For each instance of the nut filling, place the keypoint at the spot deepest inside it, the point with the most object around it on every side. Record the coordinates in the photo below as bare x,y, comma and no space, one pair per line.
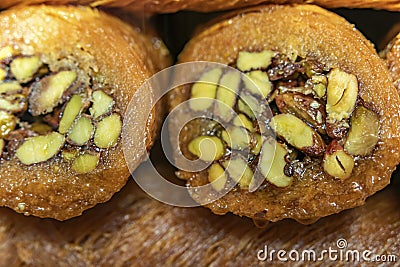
54,111
317,118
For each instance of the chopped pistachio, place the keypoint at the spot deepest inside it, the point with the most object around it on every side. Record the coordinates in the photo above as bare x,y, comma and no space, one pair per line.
71,111
40,127
85,163
102,103
7,52
227,94
207,148
217,177
249,105
258,144
47,93
8,122
40,148
298,134
236,137
304,107
81,131
254,60
320,90
23,68
364,132
69,154
337,162
14,103
319,82
10,88
108,131
243,121
204,91
243,107
272,163
258,83
239,171
342,92
3,74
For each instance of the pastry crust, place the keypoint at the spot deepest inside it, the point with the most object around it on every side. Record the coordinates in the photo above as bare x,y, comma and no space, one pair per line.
309,32
392,57
170,6
97,44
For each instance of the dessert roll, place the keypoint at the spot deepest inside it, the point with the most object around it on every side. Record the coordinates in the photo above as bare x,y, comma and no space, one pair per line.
307,128
67,75
171,6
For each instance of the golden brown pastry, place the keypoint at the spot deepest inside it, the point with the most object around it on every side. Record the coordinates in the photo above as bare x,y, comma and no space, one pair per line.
308,78
67,75
392,57
170,6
